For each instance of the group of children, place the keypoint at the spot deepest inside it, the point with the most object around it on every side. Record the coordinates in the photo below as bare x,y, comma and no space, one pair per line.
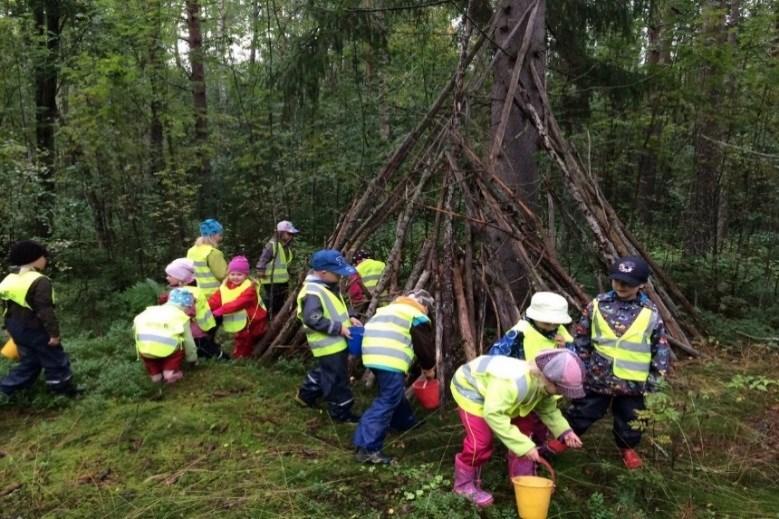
617,353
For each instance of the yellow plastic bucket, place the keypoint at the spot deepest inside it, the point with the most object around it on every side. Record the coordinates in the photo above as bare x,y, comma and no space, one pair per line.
9,350
533,494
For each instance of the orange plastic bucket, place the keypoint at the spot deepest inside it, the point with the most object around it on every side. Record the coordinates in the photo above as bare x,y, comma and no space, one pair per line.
533,494
427,392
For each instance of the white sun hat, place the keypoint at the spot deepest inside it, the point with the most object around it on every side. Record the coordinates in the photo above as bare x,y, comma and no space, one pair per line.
548,307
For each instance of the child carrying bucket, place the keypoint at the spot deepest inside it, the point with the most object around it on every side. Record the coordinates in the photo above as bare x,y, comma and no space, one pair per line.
542,328
492,393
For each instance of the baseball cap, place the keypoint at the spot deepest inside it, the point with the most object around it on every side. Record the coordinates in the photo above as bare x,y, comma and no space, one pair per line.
286,226
332,261
632,270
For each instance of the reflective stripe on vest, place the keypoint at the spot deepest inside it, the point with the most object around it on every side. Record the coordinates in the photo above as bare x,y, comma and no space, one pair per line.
14,287
334,308
370,271
203,316
236,321
534,341
631,353
465,381
277,271
159,330
387,340
206,281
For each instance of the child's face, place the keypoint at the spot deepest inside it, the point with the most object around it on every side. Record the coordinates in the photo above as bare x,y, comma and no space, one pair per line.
173,282
625,291
236,277
547,327
328,277
40,263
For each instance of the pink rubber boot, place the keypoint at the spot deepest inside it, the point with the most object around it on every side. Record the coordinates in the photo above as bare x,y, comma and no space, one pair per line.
465,485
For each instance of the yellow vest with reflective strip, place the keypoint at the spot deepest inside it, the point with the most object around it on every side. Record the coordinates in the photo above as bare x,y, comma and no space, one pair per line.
387,340
334,308
276,271
236,321
370,271
534,341
159,330
471,383
203,316
631,353
206,281
14,287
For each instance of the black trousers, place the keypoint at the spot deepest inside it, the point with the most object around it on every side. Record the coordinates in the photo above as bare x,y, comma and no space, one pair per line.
585,411
274,296
330,381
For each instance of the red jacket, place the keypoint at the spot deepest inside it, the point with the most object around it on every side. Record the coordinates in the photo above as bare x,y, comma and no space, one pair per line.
246,301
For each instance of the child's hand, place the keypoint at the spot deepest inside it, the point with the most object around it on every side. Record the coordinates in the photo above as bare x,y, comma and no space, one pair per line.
533,455
355,321
559,340
54,341
345,331
218,312
572,440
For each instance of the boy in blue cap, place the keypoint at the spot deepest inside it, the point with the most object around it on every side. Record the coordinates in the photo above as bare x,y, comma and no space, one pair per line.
326,321
621,339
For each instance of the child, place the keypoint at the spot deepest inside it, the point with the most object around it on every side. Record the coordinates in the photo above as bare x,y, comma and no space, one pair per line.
163,337
326,322
237,301
210,266
492,392
273,266
181,274
360,286
33,325
542,329
621,339
393,336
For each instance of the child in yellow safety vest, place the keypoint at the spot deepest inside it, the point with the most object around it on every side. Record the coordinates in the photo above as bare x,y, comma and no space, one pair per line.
542,328
163,338
238,303
492,392
210,266
621,339
326,321
32,324
180,273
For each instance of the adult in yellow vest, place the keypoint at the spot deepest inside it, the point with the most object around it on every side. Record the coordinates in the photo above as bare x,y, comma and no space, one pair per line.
326,321
163,337
397,334
180,273
542,328
273,267
210,265
621,339
492,391
32,323
361,286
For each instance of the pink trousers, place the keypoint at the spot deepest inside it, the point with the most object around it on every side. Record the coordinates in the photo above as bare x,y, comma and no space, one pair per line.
478,441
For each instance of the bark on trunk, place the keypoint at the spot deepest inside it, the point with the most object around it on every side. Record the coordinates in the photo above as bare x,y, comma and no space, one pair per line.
200,106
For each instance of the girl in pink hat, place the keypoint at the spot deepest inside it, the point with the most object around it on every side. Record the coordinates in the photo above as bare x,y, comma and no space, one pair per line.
238,303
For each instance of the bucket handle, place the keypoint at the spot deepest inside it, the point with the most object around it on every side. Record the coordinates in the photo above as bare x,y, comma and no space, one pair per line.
551,471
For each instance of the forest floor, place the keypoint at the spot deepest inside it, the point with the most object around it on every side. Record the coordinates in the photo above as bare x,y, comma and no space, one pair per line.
229,441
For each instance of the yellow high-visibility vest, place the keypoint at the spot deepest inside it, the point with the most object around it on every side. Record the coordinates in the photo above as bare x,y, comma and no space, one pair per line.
370,271
276,271
534,341
203,316
159,330
631,353
334,308
387,340
236,321
14,287
206,280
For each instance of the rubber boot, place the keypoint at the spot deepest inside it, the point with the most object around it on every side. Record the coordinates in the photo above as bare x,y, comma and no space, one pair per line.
520,466
171,377
631,459
465,484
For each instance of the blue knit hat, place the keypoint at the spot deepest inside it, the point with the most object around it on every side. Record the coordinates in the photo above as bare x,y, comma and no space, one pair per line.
182,298
210,227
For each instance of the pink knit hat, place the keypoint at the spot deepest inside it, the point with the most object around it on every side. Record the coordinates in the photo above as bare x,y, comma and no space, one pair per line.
239,264
181,269
564,369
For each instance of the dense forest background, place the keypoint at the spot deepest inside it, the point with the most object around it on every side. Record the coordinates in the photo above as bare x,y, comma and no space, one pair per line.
124,123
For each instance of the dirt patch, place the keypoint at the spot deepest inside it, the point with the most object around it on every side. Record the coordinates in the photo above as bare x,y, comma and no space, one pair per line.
767,426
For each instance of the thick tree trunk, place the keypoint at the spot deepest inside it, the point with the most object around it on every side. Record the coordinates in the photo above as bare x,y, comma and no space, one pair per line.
156,130
47,22
200,106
